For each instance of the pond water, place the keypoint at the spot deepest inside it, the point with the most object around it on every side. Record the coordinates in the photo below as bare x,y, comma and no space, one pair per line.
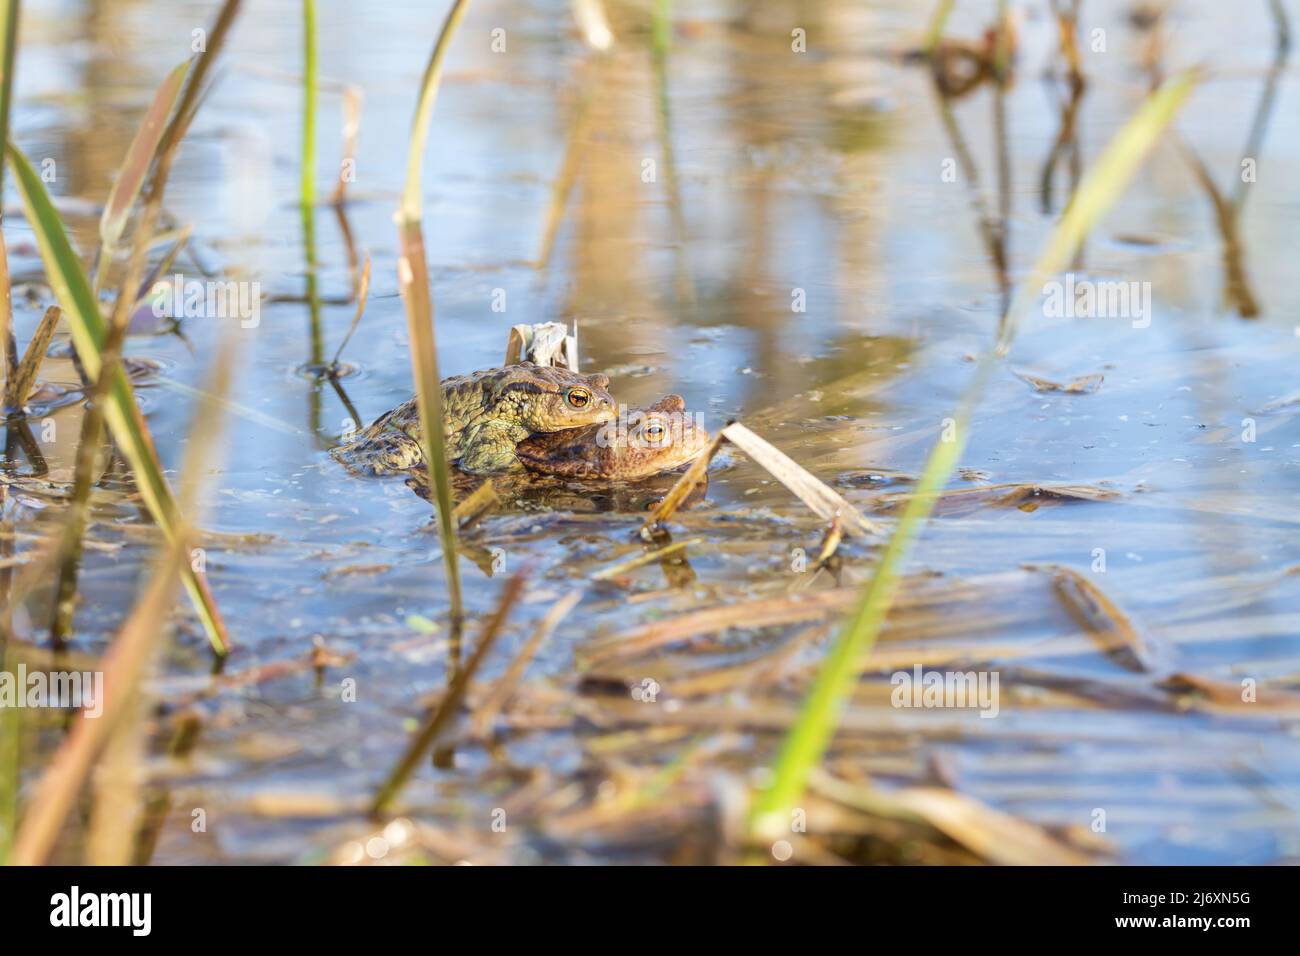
816,253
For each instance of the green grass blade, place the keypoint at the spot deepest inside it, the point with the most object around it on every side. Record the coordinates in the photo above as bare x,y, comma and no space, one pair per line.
661,28
72,288
806,743
66,276
934,30
8,44
413,278
307,184
8,47
413,192
307,181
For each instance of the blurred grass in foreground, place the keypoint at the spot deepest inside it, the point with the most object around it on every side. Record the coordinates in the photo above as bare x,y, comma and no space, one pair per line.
807,742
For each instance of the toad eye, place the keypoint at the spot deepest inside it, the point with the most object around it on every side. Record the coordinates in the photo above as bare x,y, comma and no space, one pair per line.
654,432
578,397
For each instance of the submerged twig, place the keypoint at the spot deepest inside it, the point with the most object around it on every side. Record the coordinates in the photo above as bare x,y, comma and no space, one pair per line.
505,686
427,735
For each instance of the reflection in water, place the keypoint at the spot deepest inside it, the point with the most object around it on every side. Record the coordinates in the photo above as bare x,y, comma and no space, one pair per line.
992,229
1066,147
1237,291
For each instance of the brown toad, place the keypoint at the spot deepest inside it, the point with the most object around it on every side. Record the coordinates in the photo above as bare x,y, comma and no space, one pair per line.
652,440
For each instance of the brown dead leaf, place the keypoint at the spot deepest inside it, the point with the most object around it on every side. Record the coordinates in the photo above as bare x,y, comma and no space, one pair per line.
815,494
764,613
1026,496
1083,385
1122,640
1229,695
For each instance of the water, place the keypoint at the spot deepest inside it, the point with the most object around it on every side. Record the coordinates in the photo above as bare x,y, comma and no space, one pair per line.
814,180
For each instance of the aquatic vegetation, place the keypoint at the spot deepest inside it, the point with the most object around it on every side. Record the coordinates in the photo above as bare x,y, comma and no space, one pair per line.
8,46
95,340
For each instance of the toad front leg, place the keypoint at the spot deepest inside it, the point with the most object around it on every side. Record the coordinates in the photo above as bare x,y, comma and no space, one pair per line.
384,453
489,448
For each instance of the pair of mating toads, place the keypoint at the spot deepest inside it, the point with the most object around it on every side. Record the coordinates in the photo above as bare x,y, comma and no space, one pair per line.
547,420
